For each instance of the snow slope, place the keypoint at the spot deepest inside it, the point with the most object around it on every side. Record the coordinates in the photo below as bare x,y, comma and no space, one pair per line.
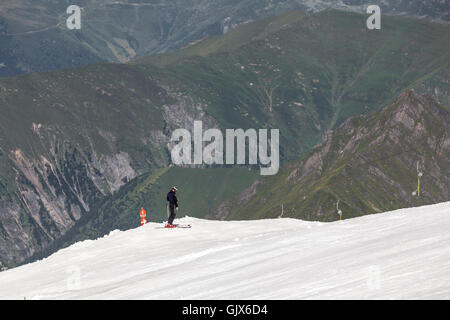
402,254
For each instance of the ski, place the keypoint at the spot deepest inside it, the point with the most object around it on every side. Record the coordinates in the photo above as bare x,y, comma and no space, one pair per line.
179,226
183,226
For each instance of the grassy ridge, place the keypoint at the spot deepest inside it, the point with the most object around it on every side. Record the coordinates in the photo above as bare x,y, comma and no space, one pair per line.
329,64
34,37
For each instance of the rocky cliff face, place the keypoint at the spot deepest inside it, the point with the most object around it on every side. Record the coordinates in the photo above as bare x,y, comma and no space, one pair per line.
59,157
46,195
369,164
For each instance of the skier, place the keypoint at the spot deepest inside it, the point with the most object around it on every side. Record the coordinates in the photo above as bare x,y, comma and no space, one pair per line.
173,206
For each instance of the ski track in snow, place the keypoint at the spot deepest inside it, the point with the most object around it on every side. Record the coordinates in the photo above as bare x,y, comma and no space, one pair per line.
403,254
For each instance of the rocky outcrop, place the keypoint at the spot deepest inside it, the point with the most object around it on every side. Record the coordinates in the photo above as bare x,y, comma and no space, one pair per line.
369,164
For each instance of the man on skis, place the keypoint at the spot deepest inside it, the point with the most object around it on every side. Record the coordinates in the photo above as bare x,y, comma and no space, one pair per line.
173,206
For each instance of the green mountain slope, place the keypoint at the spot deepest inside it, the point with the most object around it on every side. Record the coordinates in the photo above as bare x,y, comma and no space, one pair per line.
368,164
199,192
34,37
70,138
310,72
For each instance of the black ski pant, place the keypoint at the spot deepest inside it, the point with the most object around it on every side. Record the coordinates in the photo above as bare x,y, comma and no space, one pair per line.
172,213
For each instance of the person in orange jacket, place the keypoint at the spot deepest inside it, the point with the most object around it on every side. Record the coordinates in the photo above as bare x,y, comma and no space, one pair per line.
143,214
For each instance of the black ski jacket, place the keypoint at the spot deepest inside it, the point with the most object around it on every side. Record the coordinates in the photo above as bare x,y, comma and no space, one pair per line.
172,198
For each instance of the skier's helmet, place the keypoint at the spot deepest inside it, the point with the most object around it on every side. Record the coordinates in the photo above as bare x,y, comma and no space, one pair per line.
174,188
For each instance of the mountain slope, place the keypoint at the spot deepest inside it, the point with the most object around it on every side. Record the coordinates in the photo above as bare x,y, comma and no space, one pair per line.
70,138
199,192
328,59
34,37
402,254
368,164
